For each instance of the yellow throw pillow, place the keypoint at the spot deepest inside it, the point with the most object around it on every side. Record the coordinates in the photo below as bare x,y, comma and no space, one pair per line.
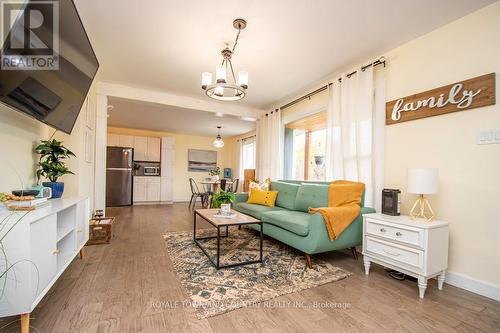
260,197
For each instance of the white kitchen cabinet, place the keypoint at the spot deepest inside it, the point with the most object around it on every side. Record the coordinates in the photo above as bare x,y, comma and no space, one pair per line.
147,149
167,169
154,149
166,194
113,140
140,189
140,148
126,141
147,189
153,191
119,140
40,245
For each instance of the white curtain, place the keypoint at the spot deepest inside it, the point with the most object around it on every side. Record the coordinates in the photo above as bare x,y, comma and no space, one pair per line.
269,136
352,120
238,170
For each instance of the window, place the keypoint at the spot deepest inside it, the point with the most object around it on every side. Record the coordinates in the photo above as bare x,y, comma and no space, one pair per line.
305,148
248,154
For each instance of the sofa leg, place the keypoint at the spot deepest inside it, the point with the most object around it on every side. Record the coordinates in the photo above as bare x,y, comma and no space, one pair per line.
354,253
309,261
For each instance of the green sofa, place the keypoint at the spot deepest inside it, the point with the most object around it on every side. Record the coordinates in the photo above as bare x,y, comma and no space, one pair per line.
290,223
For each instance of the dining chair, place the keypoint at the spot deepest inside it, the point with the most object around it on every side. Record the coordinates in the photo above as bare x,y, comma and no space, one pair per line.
223,184
195,194
234,186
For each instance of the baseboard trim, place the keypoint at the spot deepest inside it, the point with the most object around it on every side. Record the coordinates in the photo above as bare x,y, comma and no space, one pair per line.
471,284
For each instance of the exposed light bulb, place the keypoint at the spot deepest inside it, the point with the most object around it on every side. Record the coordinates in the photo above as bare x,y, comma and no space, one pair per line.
219,91
218,143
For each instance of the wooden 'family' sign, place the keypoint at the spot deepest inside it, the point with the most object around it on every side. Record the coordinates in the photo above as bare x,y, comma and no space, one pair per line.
460,96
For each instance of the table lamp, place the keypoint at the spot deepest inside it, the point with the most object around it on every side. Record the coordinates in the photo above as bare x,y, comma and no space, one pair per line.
422,181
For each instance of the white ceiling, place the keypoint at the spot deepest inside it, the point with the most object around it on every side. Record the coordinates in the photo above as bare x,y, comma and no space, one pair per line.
157,117
288,44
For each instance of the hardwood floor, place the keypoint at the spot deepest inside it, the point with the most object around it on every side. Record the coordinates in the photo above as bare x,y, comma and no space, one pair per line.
116,287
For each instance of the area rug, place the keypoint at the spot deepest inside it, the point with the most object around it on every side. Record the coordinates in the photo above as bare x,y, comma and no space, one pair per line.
213,292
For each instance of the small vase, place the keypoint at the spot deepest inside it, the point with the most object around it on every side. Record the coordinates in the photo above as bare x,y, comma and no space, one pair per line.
56,187
215,178
225,208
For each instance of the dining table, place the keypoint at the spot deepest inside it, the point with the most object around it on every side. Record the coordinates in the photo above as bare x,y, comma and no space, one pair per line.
214,185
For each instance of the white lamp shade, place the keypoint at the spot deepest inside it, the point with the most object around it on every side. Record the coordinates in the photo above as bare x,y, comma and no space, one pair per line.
220,74
422,181
243,78
206,79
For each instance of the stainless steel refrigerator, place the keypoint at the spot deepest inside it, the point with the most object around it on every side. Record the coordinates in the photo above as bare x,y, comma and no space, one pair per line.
119,162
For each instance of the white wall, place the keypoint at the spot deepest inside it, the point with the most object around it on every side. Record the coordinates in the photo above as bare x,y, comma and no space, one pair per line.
20,134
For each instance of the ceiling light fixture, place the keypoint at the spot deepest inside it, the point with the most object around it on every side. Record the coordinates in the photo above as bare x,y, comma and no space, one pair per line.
218,142
222,89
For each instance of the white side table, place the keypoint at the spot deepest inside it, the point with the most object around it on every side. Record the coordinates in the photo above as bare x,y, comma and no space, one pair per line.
414,247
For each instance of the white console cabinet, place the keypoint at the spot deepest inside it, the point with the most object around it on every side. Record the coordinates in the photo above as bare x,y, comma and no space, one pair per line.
39,245
415,247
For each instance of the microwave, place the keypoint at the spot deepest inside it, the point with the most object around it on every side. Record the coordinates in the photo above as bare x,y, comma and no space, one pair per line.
151,171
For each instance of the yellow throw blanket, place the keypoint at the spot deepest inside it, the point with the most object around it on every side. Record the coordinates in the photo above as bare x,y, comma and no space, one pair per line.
344,205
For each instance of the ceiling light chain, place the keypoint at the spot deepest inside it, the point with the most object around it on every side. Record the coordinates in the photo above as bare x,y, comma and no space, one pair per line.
222,89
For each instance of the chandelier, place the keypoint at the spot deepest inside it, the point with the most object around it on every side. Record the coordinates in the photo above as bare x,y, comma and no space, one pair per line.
218,142
223,89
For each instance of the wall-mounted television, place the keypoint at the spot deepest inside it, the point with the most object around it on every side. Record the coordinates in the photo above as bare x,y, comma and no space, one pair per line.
47,61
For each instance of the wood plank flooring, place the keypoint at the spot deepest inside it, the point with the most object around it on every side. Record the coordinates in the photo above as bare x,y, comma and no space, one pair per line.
116,288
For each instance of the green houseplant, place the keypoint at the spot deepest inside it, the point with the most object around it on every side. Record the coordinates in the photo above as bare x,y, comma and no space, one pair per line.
51,164
223,201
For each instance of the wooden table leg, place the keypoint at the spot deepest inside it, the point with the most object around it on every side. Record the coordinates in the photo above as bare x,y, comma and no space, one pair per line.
25,323
81,253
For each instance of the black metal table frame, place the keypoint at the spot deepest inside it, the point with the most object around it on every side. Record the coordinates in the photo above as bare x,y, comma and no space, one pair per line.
216,263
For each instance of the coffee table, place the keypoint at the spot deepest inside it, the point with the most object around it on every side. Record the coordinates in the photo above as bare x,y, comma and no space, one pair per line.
220,222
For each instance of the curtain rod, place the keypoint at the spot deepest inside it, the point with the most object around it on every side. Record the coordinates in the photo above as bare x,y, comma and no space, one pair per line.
377,62
248,137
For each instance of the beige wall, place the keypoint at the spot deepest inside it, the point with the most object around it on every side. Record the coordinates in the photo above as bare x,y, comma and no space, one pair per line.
184,142
20,134
469,174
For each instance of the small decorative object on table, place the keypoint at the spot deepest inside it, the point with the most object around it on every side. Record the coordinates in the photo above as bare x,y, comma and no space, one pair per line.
27,202
227,172
225,215
51,164
101,230
422,181
98,213
214,173
391,202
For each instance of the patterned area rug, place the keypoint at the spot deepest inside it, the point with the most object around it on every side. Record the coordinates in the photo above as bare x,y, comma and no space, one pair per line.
214,292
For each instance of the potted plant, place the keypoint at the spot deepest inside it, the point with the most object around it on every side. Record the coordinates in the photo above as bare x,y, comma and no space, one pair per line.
223,201
215,172
51,164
